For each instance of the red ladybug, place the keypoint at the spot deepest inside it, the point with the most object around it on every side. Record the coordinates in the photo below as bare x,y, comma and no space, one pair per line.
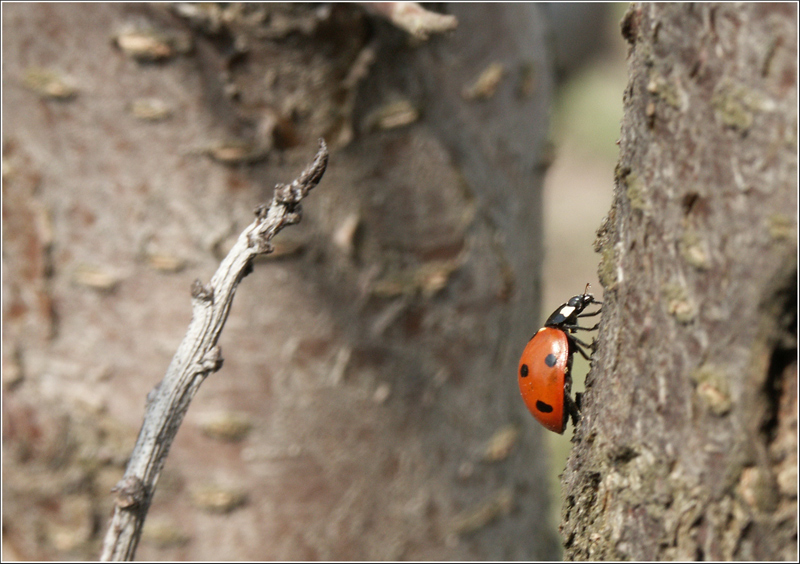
544,369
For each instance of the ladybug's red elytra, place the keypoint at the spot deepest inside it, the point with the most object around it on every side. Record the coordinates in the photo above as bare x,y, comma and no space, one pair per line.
544,368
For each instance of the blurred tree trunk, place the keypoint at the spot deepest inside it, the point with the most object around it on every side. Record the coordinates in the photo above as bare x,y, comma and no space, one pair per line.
688,444
355,419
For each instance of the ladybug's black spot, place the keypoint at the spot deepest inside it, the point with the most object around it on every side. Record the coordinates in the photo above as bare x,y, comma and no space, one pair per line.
550,360
543,407
523,370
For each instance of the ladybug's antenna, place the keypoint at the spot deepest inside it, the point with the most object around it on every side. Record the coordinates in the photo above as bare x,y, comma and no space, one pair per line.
586,290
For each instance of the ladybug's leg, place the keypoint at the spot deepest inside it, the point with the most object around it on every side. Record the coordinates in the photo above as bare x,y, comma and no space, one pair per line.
577,340
572,408
583,353
590,314
579,345
579,328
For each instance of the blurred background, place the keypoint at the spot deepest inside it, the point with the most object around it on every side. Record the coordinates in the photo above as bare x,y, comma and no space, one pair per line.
592,75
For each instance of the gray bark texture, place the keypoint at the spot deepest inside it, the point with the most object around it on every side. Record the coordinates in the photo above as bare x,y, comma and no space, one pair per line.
688,443
367,405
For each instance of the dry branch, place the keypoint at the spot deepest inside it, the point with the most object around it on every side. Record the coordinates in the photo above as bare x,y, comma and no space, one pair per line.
198,356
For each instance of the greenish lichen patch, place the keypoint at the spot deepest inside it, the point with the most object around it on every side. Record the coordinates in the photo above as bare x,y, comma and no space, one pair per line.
678,304
603,232
48,84
758,488
635,191
736,105
732,112
711,386
163,533
782,227
214,498
226,426
693,251
606,270
664,89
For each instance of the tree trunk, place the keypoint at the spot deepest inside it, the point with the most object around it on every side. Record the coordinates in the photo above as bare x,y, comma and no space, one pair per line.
688,443
368,365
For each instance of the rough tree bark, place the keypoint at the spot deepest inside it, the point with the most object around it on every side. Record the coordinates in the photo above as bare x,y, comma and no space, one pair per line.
687,447
354,418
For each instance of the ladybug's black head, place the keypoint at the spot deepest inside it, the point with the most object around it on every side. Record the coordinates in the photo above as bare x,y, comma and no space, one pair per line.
568,313
580,302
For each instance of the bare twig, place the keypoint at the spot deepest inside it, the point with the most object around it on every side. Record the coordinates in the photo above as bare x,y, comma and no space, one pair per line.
197,357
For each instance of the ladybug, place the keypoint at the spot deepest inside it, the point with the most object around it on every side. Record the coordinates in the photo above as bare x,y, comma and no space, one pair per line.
544,368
